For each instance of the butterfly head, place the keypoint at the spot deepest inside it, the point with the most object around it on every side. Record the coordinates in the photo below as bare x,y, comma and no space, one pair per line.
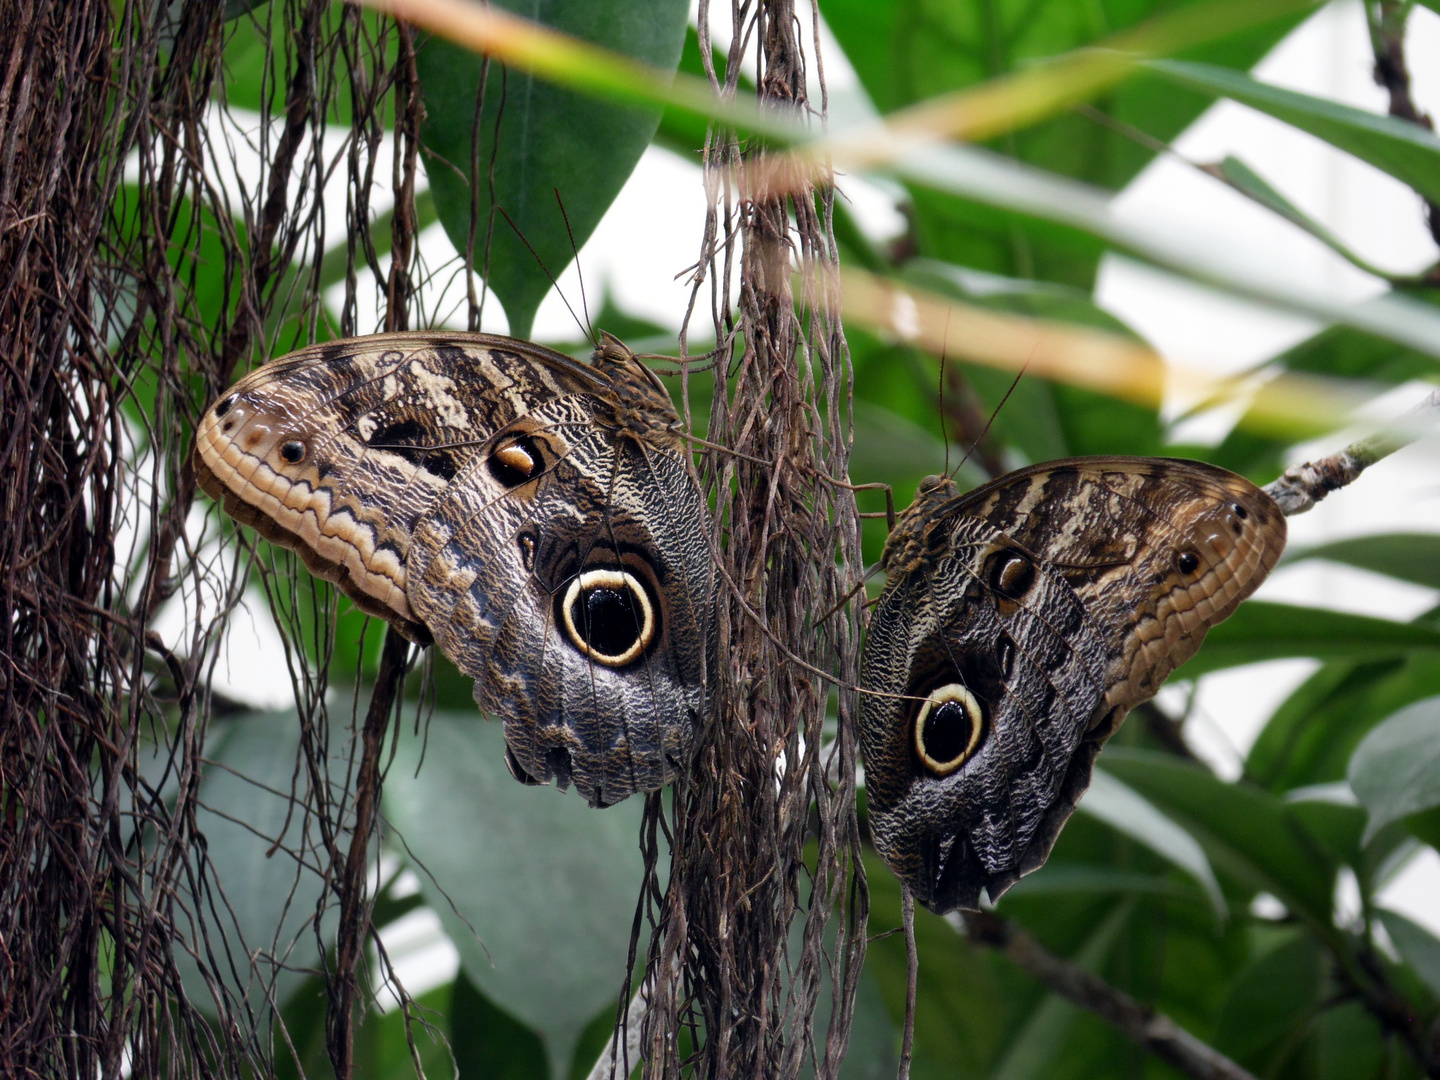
908,540
641,401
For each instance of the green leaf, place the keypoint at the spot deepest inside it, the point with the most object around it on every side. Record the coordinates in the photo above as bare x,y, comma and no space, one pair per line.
263,933
905,51
1395,771
1417,946
1034,1051
1310,737
1057,878
1404,150
1271,1005
549,138
1407,556
1248,182
543,887
1261,630
383,1040
487,1041
970,1002
1337,825
1244,831
1124,809
1348,1044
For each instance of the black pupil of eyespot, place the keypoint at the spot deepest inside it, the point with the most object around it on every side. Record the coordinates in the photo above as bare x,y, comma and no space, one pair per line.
1240,511
1188,561
608,618
225,406
292,452
946,732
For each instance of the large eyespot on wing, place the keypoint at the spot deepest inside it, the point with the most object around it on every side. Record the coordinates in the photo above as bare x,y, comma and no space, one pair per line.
608,615
573,592
995,673
1100,576
337,450
948,729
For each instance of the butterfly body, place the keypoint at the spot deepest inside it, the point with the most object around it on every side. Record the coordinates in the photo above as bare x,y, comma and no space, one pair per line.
1019,624
532,515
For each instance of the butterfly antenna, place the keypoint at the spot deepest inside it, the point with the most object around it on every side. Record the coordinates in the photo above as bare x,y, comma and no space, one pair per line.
986,430
575,250
944,435
530,248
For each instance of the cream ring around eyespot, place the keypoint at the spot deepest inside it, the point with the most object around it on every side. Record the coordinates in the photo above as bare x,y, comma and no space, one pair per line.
973,713
609,579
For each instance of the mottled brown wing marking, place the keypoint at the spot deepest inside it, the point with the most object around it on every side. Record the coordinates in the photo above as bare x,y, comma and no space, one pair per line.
1059,653
352,504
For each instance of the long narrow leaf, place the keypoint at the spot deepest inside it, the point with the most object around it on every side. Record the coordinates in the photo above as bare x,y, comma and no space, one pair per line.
1269,631
1406,151
1408,556
1252,185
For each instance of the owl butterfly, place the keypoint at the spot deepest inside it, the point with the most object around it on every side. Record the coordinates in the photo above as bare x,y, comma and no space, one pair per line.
532,515
1019,624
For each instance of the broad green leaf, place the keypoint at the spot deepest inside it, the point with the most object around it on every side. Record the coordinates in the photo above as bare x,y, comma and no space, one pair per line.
1123,808
548,139
1261,630
1034,1050
971,1000
951,226
488,1042
1057,878
1348,1044
260,908
1248,182
1310,737
383,1041
1271,1005
1407,556
543,887
1417,946
1244,831
891,449
905,51
1404,150
1337,825
1395,770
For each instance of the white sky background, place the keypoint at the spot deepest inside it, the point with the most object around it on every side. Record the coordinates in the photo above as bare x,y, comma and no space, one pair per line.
652,233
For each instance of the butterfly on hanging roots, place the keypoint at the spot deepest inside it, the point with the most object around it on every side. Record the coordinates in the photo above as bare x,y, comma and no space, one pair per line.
532,515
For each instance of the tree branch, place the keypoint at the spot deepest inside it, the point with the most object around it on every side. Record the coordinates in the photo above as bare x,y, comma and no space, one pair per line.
1387,37
1304,485
354,913
1154,1031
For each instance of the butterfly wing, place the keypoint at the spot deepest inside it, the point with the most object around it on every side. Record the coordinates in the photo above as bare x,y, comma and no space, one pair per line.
1019,624
579,600
414,469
